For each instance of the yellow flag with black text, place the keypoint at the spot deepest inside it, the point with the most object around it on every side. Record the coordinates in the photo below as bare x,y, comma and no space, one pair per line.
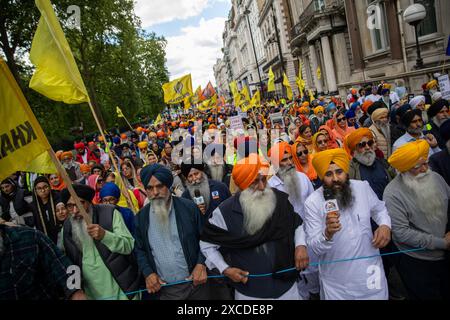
177,90
21,137
56,76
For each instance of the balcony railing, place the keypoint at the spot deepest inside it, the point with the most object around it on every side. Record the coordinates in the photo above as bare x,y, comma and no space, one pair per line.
314,8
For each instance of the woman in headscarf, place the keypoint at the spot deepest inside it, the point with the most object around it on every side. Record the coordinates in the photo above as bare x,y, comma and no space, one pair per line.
134,206
320,142
341,128
332,143
56,182
44,208
96,183
305,137
303,163
61,215
132,183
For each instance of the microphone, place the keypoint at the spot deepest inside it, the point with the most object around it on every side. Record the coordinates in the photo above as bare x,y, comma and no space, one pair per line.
198,198
331,206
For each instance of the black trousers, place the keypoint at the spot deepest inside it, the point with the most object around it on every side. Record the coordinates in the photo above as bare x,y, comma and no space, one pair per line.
184,291
424,280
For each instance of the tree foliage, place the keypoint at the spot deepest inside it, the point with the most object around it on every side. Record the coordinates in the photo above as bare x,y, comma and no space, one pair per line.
121,64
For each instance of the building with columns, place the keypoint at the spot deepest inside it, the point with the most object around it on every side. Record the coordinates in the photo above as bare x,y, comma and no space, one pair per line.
366,41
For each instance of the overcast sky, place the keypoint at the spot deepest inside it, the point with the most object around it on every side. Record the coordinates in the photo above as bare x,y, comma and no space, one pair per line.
193,29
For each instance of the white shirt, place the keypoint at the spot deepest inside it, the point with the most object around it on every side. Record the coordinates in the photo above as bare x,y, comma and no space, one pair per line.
349,280
373,97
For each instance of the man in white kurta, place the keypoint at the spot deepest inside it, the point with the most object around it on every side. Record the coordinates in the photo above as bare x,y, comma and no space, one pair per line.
298,186
339,238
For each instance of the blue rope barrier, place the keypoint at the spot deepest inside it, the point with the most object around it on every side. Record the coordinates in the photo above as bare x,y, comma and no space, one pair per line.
279,272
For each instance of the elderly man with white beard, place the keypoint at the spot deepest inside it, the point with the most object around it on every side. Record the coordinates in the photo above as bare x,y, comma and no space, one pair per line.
102,249
417,201
298,187
256,232
215,167
206,193
338,228
167,240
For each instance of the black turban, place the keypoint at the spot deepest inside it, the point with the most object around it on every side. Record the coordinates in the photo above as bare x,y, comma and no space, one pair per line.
83,191
186,167
409,116
437,107
376,105
159,172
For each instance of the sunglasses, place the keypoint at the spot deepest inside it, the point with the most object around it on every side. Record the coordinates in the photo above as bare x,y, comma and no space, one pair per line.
369,143
322,142
340,119
305,152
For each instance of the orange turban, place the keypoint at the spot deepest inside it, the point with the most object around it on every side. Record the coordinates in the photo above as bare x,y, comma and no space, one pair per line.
142,145
278,150
66,154
139,130
84,168
322,161
305,104
58,154
319,109
303,110
352,139
212,126
123,136
366,105
406,157
246,170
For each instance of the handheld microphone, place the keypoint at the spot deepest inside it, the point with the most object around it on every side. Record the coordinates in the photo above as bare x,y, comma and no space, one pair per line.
198,198
331,204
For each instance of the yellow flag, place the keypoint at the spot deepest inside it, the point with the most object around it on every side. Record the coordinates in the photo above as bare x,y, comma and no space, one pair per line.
271,82
234,88
245,95
43,164
196,97
311,95
177,90
187,102
256,99
300,82
21,137
319,73
208,104
158,120
288,87
56,76
119,113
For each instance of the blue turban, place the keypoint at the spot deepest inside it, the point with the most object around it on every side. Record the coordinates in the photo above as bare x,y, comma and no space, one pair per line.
110,189
116,140
384,91
330,107
321,103
159,172
354,106
350,114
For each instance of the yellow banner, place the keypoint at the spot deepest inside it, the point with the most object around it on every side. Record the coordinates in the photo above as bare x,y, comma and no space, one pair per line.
177,90
21,137
256,99
57,76
43,164
271,82
288,87
119,113
300,82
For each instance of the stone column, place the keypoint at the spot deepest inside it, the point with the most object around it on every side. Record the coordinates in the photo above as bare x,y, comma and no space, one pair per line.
329,64
341,54
313,57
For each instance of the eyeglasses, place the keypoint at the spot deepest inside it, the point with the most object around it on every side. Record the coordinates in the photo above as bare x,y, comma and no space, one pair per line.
340,119
363,144
320,142
304,152
71,206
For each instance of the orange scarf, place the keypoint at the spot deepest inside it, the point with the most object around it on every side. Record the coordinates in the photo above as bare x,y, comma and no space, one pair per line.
311,173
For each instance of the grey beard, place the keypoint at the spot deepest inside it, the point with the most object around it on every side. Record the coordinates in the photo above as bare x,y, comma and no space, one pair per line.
428,197
289,177
257,207
414,131
343,196
79,233
203,187
385,130
161,211
366,158
438,122
216,171
424,116
69,165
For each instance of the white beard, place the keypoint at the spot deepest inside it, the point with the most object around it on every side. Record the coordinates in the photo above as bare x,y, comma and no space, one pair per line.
203,187
290,179
428,197
258,207
439,122
216,171
366,158
79,233
161,211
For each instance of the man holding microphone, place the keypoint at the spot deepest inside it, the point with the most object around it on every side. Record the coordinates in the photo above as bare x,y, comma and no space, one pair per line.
338,231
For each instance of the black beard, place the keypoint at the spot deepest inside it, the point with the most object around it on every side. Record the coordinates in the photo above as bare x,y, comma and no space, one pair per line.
342,192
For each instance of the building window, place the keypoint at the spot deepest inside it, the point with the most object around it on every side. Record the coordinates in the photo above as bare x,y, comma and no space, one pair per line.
428,25
376,12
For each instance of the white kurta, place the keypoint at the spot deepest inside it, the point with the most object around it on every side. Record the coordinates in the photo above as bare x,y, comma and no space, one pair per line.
298,202
214,258
356,279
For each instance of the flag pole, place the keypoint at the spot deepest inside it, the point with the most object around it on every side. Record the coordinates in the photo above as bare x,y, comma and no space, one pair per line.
123,189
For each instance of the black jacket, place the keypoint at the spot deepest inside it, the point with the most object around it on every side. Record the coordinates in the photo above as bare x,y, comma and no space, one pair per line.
20,205
440,163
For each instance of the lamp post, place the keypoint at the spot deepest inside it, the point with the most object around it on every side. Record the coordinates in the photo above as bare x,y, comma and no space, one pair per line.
414,15
246,13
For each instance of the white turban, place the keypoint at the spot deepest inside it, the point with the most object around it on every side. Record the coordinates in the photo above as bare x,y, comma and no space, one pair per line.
416,100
